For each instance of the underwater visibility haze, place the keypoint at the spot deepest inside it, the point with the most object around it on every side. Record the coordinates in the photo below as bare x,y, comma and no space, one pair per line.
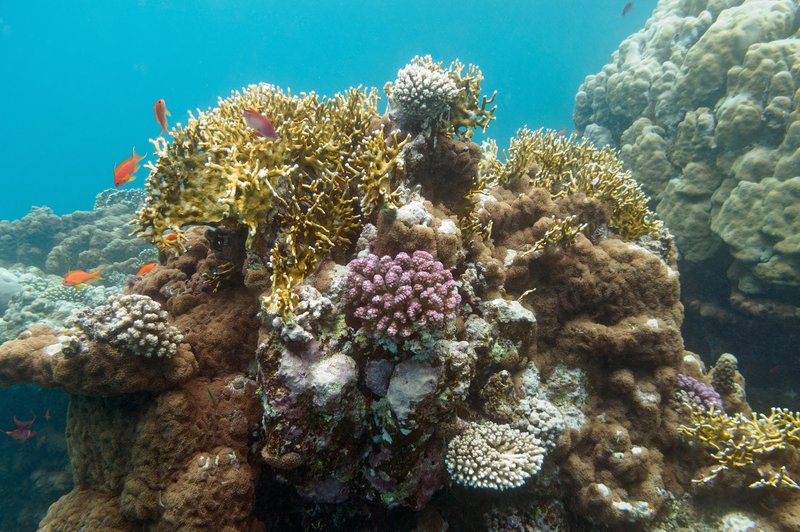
400,266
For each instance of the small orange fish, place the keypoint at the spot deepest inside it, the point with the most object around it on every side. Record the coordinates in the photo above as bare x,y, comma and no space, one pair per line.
124,171
561,132
260,124
160,108
627,9
146,268
78,278
172,237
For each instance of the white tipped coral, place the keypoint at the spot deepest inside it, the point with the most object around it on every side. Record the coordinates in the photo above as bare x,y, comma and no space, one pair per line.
421,96
488,455
134,324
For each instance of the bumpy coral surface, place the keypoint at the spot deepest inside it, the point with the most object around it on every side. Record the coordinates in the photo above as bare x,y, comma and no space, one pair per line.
396,296
134,324
701,103
488,455
698,393
439,101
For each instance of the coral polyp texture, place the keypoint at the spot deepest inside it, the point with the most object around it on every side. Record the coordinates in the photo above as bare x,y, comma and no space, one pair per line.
488,455
348,330
430,98
297,197
134,324
396,296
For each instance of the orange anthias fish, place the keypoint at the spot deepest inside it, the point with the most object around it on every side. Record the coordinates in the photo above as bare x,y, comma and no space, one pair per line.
124,171
146,268
78,278
561,132
260,124
22,432
627,9
160,108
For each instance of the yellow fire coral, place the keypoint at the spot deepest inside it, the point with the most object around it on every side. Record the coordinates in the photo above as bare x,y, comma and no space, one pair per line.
299,195
566,165
763,448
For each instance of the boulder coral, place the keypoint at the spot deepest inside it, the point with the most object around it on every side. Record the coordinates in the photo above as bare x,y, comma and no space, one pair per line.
702,103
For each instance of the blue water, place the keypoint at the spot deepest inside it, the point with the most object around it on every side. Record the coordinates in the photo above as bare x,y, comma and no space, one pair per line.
80,77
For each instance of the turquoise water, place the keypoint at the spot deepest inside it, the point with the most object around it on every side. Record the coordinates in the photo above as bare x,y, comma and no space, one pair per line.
80,78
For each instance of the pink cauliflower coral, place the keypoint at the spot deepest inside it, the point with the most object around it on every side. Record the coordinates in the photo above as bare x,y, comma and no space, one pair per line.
395,296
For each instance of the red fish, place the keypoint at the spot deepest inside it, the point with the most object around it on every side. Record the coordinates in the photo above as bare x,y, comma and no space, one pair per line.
561,132
260,124
78,278
20,435
124,171
172,237
627,9
24,424
146,268
162,113
22,432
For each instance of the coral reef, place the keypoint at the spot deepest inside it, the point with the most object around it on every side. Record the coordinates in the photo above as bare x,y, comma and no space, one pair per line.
82,240
331,342
31,296
436,101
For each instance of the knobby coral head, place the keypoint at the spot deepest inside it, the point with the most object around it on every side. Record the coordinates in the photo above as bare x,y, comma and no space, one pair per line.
397,296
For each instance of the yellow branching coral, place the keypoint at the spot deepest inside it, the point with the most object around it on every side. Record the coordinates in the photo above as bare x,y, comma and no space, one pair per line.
567,165
426,86
764,448
299,195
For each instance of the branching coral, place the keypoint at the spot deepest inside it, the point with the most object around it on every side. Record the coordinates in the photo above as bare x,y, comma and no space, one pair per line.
566,165
298,196
133,323
763,448
396,296
428,95
697,394
488,455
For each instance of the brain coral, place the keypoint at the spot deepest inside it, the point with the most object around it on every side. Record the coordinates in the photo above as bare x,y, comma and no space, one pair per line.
702,103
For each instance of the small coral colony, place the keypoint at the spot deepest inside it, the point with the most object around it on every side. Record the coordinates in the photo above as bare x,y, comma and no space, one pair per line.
369,308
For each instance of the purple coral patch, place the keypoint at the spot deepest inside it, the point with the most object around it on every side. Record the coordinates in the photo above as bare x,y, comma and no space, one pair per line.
394,296
699,392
